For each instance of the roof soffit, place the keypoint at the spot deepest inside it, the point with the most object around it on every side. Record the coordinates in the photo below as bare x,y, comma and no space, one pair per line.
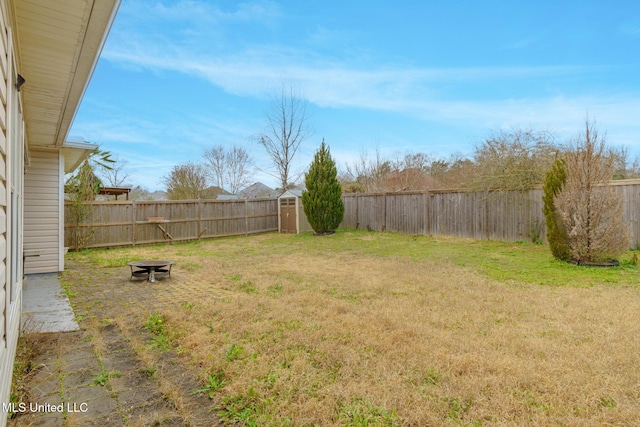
59,43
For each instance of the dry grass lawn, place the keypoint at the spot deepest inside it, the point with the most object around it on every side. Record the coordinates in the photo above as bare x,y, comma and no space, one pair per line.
383,329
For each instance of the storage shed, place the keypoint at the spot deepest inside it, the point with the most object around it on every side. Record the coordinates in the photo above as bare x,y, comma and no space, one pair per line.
292,218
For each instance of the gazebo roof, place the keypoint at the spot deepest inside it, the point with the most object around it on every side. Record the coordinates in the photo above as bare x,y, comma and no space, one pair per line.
115,191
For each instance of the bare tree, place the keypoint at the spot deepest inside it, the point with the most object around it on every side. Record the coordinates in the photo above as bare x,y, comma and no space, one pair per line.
410,173
438,167
633,170
116,175
624,168
230,169
287,127
238,169
186,181
514,160
404,173
140,193
591,210
215,158
367,174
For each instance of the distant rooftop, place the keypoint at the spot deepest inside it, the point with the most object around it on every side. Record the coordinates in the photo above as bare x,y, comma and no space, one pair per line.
258,190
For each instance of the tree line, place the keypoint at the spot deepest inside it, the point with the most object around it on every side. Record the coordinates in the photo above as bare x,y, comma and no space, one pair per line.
516,159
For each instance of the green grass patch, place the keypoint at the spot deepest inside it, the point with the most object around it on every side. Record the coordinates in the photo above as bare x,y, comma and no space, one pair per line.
155,323
518,262
103,258
214,382
361,413
521,262
102,378
275,290
234,352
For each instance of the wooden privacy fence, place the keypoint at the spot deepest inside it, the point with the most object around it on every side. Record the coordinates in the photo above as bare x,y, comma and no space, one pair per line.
506,216
131,223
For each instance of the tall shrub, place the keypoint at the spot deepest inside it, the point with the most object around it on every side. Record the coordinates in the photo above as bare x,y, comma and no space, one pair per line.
590,209
322,200
556,233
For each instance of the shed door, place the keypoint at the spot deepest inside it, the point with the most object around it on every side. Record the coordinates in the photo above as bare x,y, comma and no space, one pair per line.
288,215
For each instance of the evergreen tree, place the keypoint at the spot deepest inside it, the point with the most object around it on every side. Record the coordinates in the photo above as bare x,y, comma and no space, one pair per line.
322,200
556,235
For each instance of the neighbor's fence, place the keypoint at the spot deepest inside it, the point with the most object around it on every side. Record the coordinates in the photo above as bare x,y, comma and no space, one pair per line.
131,223
506,216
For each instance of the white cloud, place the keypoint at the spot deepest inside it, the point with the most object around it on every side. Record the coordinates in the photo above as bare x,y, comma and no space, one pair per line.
193,13
328,84
413,91
431,94
199,39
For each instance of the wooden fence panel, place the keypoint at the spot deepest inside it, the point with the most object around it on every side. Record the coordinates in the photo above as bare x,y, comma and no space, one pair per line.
497,216
224,218
507,216
476,227
536,220
106,224
405,212
262,215
111,224
371,212
364,212
212,218
449,214
631,211
350,219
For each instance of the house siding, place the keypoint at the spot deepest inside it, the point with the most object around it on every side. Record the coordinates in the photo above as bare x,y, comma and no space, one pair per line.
5,325
42,220
11,204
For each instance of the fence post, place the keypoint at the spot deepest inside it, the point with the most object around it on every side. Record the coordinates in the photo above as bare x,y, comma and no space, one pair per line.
357,213
427,215
134,215
199,227
384,212
486,214
246,216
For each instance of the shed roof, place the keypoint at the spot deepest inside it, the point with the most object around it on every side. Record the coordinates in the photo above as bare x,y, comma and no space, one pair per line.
296,192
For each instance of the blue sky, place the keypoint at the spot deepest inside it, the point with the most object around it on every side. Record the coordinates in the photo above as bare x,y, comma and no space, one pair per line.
177,77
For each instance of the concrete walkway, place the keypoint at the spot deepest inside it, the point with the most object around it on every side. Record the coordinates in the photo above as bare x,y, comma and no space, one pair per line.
44,306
